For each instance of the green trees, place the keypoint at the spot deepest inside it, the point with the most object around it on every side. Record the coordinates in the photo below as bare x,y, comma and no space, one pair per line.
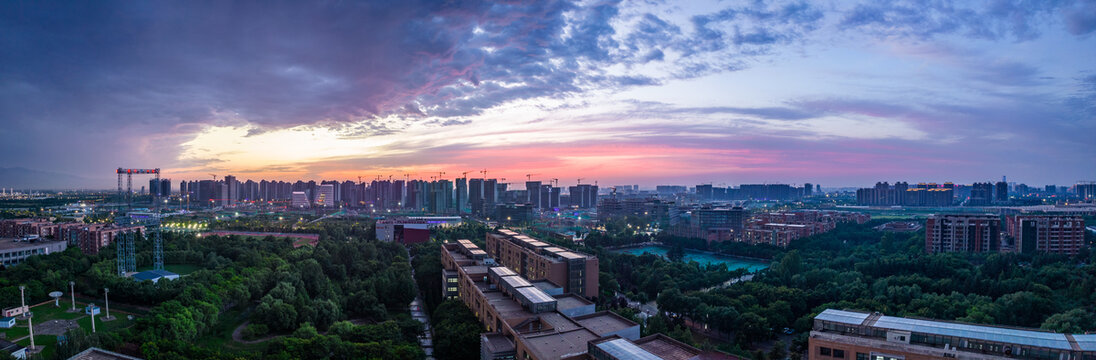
456,332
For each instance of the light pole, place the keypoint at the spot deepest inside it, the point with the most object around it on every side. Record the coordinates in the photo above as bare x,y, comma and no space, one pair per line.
72,292
23,300
91,307
106,296
30,325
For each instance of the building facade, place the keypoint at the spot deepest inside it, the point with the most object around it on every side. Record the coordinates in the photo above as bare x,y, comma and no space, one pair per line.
1056,234
967,233
577,273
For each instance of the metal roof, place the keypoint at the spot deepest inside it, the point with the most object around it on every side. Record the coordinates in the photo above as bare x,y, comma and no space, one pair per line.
502,271
535,296
624,349
570,255
842,316
976,332
516,281
1086,342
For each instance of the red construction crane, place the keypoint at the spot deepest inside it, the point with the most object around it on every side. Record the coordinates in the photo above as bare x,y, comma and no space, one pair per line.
529,177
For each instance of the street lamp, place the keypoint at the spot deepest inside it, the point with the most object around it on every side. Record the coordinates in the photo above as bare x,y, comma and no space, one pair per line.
23,300
72,292
106,296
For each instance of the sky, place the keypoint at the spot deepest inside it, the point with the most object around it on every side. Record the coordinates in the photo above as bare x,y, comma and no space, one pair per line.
838,93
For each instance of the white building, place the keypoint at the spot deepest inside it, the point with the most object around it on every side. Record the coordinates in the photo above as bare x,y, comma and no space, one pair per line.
300,199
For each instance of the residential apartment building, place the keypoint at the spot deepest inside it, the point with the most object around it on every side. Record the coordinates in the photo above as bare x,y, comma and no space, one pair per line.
577,273
1056,234
840,334
962,233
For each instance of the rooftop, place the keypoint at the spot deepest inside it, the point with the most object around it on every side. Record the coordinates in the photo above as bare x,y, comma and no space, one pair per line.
604,322
1029,337
10,243
95,353
571,301
624,349
559,345
666,348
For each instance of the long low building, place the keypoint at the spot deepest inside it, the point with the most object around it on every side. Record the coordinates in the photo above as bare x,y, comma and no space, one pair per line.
524,321
842,334
14,251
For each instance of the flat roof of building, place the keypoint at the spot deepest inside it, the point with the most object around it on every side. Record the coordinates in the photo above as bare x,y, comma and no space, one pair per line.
516,281
502,271
571,301
559,345
570,255
604,322
624,349
475,269
538,243
667,348
554,249
969,331
546,285
535,295
477,251
497,343
1086,342
559,322
95,353
10,243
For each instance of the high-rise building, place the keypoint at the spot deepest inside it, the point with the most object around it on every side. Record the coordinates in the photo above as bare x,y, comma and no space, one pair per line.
326,198
232,190
461,196
1000,192
1086,190
533,190
1057,234
476,196
969,233
583,196
981,194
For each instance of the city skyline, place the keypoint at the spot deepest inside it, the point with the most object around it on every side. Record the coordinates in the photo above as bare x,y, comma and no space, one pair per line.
842,94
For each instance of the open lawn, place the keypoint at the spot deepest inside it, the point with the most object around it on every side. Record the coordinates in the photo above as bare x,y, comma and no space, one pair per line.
120,322
20,330
181,269
113,305
48,342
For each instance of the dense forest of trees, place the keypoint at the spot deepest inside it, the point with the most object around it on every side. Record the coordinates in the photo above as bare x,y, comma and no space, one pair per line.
302,297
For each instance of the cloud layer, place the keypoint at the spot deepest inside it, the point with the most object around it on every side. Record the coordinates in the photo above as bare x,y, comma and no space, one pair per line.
749,91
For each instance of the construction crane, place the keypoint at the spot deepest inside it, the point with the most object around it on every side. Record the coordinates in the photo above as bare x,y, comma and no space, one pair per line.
214,176
579,181
484,172
464,174
555,182
359,179
529,177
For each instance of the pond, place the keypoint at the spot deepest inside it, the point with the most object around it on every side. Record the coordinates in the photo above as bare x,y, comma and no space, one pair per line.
733,263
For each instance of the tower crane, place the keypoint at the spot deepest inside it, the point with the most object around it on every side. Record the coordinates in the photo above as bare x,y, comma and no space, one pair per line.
214,176
529,177
579,181
440,174
484,172
555,182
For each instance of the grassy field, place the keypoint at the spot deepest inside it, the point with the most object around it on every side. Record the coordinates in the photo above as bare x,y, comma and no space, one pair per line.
48,342
20,330
181,269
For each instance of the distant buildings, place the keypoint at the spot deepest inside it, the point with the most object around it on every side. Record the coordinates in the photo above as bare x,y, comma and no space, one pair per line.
1086,190
583,196
781,192
644,208
1056,234
901,194
780,229
412,230
967,233
839,334
327,196
300,200
981,194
